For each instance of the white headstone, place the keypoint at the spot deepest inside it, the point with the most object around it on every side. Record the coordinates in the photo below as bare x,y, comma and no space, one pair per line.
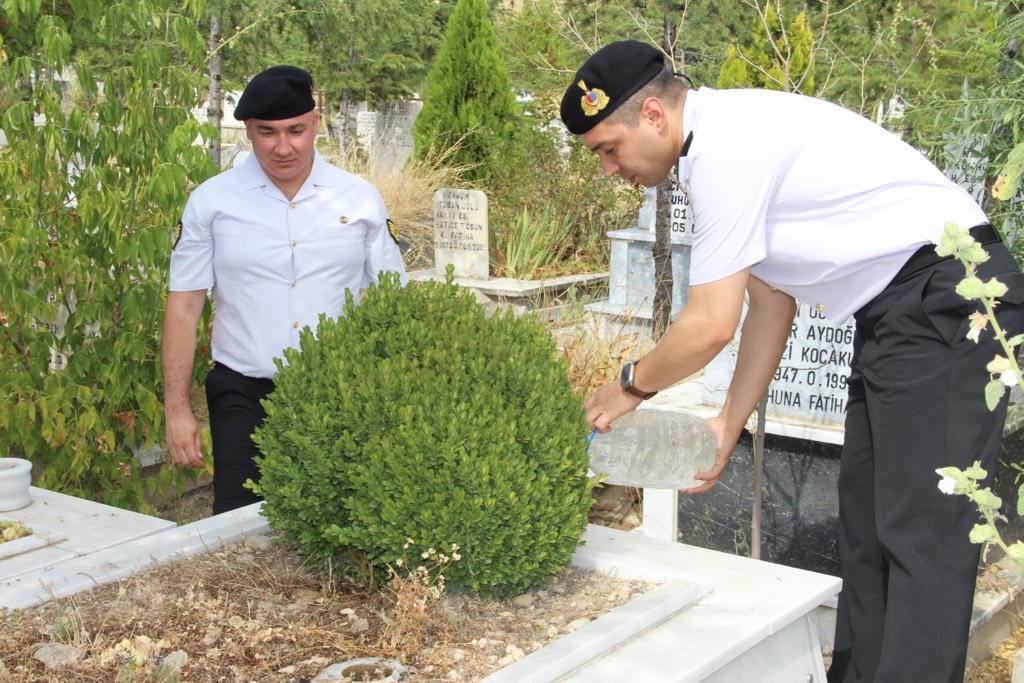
461,232
810,382
366,129
681,216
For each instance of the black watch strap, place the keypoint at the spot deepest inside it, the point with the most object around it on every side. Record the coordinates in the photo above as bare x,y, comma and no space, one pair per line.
626,382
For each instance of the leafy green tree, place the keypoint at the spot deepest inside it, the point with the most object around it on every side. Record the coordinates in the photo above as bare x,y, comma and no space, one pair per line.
372,50
468,101
778,56
974,130
90,193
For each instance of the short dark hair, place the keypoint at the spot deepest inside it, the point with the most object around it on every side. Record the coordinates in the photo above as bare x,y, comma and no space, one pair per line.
665,86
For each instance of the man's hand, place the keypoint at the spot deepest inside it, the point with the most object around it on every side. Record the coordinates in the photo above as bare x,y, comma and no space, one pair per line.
608,403
184,439
179,347
726,439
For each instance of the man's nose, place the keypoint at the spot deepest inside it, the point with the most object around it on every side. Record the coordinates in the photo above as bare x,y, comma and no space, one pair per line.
609,167
281,145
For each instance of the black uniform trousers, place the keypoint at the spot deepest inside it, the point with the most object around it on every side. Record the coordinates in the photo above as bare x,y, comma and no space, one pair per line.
916,403
233,400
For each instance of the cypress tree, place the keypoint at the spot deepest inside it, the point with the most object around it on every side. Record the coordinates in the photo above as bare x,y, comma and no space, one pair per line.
467,100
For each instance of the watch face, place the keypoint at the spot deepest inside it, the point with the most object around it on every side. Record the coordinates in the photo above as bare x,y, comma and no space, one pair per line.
626,376
626,382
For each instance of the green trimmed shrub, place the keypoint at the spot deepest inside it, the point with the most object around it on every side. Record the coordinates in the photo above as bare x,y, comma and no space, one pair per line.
415,416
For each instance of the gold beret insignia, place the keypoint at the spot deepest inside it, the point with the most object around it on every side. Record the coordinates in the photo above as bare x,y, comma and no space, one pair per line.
593,100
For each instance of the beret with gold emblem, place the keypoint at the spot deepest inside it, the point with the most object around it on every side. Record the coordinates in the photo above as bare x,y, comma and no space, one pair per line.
607,79
280,92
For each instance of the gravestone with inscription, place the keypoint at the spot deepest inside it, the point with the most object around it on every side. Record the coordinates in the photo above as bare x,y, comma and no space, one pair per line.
631,282
810,383
366,130
461,233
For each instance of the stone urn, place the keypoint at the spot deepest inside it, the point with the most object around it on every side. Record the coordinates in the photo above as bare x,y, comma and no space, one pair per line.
15,478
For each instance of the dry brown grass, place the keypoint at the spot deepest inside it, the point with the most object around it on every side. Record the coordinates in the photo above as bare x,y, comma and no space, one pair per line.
255,613
595,350
999,667
408,194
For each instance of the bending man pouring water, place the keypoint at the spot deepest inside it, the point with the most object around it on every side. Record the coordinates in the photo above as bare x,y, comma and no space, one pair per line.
798,199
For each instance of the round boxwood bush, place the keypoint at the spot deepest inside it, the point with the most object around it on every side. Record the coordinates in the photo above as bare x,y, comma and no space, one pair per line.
416,417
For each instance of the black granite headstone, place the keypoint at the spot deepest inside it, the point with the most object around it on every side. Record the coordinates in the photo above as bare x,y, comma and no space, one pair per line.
799,519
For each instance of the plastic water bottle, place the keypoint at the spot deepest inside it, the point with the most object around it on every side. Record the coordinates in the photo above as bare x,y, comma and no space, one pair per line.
657,449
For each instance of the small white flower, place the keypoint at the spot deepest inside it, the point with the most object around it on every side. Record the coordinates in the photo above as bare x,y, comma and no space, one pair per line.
978,323
1009,378
947,485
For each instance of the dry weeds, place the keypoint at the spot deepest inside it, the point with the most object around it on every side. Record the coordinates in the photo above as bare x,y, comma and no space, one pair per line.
595,349
999,667
408,194
252,612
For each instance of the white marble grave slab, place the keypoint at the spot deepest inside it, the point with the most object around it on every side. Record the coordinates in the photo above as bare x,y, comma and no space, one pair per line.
83,527
33,541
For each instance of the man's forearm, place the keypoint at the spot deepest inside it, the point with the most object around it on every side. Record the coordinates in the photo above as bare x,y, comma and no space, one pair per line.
687,346
763,339
702,329
179,345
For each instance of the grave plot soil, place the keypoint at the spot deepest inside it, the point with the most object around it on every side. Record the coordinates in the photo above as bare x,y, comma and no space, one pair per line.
252,612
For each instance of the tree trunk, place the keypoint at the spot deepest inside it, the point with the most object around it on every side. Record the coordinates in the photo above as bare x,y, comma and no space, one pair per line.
662,252
214,110
346,103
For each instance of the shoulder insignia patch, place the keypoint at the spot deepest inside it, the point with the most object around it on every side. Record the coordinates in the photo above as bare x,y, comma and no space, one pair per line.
392,231
175,235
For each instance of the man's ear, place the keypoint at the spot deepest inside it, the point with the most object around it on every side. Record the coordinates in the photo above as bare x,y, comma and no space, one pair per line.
652,111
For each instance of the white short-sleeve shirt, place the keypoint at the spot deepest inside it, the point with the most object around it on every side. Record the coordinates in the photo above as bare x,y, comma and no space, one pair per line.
276,265
820,202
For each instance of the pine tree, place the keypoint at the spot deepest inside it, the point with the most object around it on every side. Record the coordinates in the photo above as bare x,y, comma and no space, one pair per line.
468,100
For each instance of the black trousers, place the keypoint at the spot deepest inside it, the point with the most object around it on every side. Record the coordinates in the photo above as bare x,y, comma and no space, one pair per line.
235,412
916,403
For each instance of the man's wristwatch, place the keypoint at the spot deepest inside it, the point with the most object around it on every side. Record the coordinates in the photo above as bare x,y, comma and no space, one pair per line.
626,382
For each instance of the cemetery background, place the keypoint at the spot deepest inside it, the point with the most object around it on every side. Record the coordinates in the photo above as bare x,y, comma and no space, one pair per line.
906,24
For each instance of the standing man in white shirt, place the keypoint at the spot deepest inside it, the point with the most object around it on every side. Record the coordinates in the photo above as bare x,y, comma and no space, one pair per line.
279,240
798,199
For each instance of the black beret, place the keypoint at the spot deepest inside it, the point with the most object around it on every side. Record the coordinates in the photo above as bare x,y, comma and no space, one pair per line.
280,92
607,79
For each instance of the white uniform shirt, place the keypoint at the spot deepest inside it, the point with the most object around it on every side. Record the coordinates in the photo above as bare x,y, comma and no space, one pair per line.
276,265
822,203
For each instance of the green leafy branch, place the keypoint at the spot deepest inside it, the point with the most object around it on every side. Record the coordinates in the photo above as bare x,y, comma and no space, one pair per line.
965,482
1004,369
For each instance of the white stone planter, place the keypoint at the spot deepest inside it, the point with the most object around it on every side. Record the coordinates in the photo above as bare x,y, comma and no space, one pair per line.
15,479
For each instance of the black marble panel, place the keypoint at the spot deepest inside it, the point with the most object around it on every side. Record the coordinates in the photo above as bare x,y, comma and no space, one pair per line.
799,510
799,522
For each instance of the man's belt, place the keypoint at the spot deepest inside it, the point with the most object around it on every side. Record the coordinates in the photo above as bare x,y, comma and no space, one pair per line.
926,256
